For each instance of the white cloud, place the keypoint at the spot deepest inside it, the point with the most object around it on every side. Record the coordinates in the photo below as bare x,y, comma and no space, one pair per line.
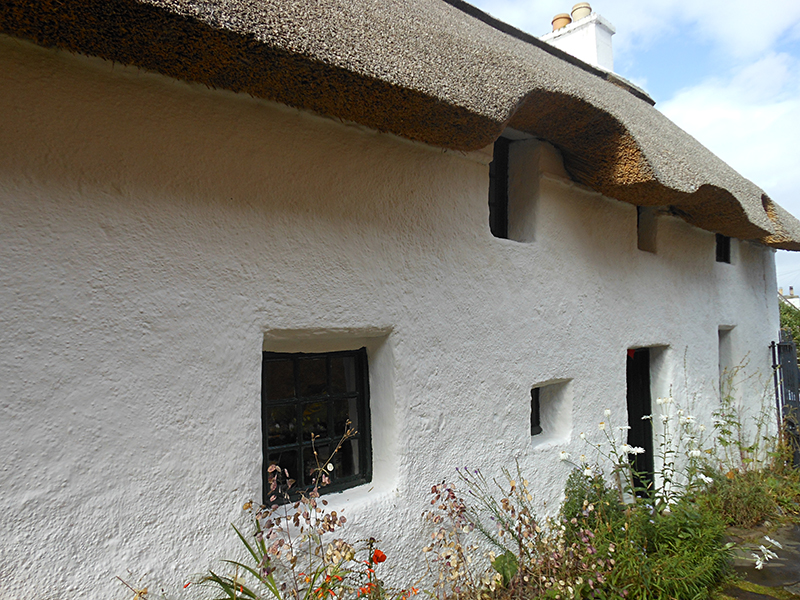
739,28
751,121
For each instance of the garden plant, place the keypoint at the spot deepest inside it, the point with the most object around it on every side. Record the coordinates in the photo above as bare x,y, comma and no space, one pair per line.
618,533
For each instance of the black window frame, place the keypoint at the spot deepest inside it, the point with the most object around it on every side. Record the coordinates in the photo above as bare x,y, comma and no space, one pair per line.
723,248
536,407
498,189
300,401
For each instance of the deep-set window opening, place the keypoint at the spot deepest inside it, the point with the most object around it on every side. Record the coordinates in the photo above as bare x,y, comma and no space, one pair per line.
723,248
550,412
498,189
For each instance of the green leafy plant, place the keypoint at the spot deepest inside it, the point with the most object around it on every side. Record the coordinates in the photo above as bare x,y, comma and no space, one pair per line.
750,472
790,320
663,545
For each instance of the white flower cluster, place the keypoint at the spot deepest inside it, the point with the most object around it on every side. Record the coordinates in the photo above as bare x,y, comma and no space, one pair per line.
766,553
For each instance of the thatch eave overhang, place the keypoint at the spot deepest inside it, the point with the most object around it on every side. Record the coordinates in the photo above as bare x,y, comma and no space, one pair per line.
429,71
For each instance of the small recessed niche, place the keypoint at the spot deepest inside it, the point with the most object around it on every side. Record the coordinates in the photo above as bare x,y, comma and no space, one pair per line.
551,412
646,228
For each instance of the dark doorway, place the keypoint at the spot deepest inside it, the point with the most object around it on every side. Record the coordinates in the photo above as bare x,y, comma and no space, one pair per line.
640,433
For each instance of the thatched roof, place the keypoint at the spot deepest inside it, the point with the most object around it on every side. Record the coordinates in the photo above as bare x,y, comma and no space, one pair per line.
436,71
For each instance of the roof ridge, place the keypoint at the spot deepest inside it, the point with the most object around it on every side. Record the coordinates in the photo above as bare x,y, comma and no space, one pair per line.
523,36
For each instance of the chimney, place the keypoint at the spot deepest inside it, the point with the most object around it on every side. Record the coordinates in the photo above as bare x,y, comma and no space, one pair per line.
587,37
791,291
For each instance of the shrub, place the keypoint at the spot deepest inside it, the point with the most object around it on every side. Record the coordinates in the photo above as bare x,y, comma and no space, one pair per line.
529,557
674,553
752,473
741,499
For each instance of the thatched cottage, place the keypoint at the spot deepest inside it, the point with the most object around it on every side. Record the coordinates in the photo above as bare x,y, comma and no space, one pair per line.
227,225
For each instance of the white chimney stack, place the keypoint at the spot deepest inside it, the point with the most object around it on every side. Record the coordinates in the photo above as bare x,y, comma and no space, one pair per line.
587,37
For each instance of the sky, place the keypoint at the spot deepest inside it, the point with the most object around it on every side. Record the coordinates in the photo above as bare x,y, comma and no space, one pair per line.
726,71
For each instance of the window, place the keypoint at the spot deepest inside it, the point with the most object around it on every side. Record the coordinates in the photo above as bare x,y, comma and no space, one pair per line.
536,419
306,403
723,248
498,189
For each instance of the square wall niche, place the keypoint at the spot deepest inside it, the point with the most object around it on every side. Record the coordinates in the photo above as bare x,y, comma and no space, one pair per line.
551,412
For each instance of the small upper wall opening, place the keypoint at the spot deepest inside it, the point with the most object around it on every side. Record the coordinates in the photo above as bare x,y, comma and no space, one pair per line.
514,172
584,35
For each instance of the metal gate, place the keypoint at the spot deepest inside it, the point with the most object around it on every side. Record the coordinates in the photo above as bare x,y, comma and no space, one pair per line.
787,390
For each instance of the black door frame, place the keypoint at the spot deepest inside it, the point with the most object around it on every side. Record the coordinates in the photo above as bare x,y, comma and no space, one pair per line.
639,400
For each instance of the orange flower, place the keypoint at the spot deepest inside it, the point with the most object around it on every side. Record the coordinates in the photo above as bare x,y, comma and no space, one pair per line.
378,557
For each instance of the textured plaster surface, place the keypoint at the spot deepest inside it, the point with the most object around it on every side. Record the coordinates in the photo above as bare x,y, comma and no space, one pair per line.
156,236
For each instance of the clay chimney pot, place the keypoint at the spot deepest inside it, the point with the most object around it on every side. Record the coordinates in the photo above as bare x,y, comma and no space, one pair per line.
581,10
561,20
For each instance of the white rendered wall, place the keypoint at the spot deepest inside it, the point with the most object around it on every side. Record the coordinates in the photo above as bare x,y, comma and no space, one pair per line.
157,235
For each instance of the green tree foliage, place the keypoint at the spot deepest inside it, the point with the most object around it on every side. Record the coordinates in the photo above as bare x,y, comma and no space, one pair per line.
790,320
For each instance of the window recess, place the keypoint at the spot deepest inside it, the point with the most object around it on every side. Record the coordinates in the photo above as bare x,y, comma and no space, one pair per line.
514,178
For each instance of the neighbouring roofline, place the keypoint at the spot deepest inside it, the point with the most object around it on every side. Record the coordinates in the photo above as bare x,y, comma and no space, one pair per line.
435,71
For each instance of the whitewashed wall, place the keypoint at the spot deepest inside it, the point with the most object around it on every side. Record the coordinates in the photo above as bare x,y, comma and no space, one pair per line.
157,235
